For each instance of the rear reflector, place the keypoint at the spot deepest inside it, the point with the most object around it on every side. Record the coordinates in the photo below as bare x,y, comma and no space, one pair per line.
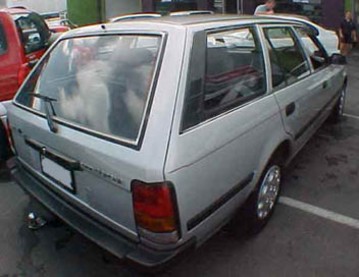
155,210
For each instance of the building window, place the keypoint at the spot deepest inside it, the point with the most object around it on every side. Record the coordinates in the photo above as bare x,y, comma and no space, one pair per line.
219,6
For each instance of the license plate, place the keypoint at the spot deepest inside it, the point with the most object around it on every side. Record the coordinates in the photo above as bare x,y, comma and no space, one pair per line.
57,173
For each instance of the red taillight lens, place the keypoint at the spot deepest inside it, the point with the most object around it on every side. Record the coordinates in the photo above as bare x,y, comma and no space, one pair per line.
154,207
24,70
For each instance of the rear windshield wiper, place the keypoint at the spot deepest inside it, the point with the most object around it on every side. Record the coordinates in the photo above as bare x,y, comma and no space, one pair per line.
48,102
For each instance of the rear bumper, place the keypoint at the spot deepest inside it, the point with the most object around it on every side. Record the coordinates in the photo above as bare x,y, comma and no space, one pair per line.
132,252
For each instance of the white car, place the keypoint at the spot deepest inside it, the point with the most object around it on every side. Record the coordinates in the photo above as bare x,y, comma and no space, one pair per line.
148,137
328,38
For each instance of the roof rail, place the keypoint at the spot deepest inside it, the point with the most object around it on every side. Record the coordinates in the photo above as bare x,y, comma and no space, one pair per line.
193,12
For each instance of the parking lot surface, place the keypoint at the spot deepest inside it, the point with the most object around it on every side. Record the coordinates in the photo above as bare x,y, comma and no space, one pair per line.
314,231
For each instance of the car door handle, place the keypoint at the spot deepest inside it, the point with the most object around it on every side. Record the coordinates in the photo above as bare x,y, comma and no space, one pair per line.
325,84
289,109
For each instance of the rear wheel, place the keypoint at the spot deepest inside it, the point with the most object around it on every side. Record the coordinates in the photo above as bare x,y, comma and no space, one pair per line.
262,201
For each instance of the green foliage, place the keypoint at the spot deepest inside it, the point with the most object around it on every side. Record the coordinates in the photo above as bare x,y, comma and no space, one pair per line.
348,5
85,12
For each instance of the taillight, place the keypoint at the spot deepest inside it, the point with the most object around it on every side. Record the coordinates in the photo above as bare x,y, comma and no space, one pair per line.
24,70
155,211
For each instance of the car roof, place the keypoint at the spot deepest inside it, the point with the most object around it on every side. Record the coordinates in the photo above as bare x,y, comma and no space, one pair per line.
296,18
203,21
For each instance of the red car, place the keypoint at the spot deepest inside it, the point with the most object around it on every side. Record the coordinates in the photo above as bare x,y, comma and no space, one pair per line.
24,37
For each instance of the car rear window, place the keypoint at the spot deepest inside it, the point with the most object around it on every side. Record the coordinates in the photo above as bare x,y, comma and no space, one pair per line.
100,83
33,31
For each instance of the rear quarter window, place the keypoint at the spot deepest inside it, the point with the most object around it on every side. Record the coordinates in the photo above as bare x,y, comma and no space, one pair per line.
101,83
226,71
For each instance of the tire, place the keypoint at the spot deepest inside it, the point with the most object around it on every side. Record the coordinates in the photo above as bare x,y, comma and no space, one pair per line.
262,201
338,109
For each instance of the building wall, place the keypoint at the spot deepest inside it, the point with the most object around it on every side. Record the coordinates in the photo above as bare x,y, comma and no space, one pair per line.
39,5
116,7
333,12
163,6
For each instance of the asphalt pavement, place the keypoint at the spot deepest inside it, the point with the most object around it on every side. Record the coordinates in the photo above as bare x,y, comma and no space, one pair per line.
314,231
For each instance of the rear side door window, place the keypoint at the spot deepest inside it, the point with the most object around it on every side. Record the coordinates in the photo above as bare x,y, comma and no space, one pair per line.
288,60
32,30
3,42
233,75
315,51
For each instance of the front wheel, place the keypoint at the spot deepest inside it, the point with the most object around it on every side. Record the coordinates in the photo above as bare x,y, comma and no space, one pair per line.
264,198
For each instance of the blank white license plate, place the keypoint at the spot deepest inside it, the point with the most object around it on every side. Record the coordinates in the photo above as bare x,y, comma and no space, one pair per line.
57,172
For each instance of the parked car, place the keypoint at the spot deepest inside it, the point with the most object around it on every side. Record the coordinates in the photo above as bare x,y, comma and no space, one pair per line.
148,137
4,142
58,21
59,25
328,38
24,38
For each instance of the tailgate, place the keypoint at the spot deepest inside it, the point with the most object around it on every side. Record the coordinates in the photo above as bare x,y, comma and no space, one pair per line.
78,168
79,122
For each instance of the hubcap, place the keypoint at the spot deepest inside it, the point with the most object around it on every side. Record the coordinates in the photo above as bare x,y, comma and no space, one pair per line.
268,192
341,102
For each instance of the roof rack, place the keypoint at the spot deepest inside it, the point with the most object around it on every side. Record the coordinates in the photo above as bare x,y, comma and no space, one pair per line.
193,12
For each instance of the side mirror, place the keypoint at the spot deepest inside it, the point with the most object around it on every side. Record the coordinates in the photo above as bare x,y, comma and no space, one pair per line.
338,59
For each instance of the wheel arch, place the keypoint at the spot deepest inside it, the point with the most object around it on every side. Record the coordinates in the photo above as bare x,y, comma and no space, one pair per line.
282,153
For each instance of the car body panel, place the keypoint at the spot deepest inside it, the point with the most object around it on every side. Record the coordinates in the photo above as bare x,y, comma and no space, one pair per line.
212,166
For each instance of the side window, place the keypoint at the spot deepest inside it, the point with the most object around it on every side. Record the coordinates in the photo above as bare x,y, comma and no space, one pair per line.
32,32
234,72
3,42
314,50
288,62
226,71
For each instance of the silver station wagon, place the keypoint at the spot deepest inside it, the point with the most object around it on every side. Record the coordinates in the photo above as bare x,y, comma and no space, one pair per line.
147,136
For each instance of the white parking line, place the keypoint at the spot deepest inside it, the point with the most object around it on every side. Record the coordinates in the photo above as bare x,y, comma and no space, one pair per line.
338,218
351,115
